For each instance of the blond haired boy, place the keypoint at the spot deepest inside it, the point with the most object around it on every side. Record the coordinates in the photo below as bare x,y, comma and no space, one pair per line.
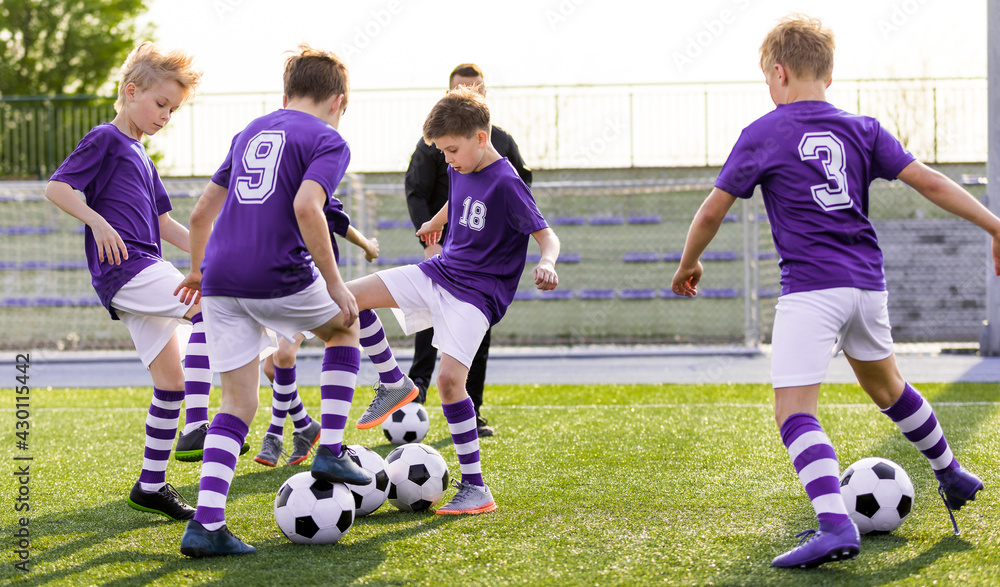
467,288
814,164
126,213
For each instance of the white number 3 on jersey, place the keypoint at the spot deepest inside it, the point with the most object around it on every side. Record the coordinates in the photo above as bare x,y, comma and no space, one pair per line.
260,160
826,147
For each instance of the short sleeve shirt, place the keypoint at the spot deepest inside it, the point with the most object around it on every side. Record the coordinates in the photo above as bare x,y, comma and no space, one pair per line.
121,184
256,249
815,164
490,214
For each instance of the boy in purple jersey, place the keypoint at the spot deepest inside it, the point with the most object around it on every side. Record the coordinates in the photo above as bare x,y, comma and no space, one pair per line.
262,260
126,212
467,288
814,164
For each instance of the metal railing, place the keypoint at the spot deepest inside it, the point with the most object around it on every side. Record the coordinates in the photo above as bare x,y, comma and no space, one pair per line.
556,127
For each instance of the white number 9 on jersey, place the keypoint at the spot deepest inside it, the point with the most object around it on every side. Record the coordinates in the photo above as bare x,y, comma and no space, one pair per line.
260,160
826,147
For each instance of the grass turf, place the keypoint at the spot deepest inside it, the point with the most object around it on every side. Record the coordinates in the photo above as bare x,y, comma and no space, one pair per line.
595,484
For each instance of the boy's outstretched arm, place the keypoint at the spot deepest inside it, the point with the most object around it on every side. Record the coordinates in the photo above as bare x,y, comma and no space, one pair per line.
703,229
315,230
110,245
368,245
202,218
174,233
545,272
949,196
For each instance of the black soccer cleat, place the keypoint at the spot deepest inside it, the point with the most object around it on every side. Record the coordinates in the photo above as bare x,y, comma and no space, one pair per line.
191,446
166,502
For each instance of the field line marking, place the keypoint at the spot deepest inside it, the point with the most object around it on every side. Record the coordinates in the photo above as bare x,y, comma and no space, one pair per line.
563,406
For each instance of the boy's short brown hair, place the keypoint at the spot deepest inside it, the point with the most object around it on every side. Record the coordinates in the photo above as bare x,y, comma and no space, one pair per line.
802,44
146,65
316,75
461,113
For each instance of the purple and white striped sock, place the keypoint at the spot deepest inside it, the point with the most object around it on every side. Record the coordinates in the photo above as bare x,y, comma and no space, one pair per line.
336,388
461,417
816,464
297,412
161,427
197,377
225,437
282,392
915,418
376,346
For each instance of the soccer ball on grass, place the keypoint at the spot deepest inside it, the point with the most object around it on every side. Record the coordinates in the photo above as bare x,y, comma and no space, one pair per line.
311,511
878,494
368,498
418,477
407,424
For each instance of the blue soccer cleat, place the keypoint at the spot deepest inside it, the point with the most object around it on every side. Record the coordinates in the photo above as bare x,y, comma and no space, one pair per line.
197,542
818,547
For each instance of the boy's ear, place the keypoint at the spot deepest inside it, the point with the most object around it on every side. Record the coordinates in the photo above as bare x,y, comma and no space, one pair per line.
284,101
482,138
338,102
130,90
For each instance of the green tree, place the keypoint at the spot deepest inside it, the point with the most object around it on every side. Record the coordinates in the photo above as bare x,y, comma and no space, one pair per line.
55,47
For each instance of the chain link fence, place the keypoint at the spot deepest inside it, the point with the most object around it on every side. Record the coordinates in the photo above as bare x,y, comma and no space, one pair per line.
622,233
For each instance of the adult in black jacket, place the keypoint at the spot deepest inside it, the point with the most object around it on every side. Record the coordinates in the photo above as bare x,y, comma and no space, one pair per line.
426,193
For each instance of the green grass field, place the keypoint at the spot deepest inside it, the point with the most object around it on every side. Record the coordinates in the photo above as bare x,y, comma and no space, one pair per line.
668,484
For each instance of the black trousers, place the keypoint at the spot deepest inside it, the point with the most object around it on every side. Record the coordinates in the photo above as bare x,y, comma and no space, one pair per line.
425,358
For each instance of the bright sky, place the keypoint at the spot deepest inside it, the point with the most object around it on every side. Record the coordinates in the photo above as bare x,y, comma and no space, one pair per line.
241,44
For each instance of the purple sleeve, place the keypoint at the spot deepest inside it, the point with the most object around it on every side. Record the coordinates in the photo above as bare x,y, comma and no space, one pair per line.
888,156
329,165
743,168
160,195
522,210
84,163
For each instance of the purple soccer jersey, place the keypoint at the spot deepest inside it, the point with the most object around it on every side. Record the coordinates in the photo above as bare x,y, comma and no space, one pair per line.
814,164
490,215
256,249
122,185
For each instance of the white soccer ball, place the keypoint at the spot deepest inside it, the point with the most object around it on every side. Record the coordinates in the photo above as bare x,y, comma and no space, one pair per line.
370,497
407,424
418,477
878,494
311,511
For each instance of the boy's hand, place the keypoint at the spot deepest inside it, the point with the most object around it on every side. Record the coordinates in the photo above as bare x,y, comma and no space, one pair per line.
371,251
345,299
545,276
110,245
189,290
685,281
429,233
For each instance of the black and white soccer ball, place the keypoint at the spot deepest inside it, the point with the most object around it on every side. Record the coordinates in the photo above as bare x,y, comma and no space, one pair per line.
311,511
418,477
878,494
370,497
407,424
